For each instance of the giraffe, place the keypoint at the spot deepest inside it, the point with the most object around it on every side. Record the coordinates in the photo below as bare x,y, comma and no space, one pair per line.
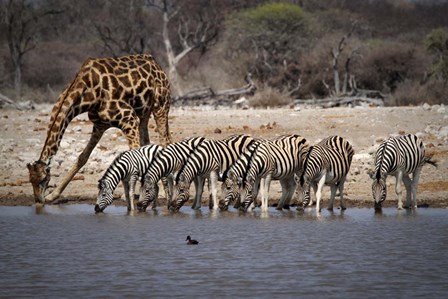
115,92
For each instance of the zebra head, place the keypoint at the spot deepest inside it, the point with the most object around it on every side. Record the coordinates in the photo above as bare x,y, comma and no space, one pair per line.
247,192
149,192
231,190
181,193
105,196
379,190
39,178
305,184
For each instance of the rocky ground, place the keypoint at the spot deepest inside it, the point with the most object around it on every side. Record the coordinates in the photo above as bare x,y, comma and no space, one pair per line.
23,134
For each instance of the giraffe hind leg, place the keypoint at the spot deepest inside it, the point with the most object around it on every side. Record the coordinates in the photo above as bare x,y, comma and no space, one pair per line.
161,119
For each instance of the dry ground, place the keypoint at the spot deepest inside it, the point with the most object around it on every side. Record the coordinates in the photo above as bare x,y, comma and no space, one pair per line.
23,134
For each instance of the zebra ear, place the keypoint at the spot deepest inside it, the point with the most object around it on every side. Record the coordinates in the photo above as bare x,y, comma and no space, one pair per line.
371,174
240,181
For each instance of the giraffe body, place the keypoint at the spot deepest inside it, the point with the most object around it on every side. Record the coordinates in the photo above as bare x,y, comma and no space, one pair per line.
115,92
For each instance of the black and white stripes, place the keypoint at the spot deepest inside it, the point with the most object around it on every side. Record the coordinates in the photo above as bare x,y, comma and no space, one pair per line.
278,159
126,167
327,163
209,159
399,156
167,164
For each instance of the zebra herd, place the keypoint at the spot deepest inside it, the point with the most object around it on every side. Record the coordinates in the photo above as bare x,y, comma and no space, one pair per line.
246,166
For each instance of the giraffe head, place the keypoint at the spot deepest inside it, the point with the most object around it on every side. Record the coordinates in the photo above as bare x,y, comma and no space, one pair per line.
39,178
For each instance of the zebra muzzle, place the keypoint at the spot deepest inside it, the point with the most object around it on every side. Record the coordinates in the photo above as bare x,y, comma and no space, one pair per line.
98,209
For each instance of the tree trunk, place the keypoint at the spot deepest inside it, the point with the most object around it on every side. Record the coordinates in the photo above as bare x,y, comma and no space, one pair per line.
172,68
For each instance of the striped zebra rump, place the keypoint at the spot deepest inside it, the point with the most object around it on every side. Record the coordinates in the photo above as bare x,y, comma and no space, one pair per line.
404,153
167,164
208,160
398,156
127,167
277,159
326,163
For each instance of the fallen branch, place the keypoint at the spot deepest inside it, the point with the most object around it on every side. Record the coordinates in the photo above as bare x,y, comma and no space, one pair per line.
340,101
209,94
5,101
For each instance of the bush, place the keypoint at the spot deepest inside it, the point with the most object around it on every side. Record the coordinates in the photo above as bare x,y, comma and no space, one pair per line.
267,96
412,93
388,64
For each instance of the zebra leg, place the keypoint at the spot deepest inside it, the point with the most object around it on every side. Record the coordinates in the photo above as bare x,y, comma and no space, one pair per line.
285,190
132,183
332,196
320,185
408,185
399,178
291,191
126,193
312,202
415,179
265,194
199,186
341,193
214,184
169,196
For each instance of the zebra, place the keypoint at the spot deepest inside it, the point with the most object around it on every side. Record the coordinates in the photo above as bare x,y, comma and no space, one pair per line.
127,167
278,159
209,159
169,161
231,185
399,156
326,163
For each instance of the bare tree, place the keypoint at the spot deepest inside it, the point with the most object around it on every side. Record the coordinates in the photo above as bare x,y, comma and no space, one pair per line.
193,32
124,29
348,79
22,18
335,54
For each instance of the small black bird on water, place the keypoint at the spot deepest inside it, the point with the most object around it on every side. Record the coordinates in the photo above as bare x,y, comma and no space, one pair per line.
191,242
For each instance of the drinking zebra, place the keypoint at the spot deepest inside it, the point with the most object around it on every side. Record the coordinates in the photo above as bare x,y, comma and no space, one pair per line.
232,179
399,156
327,163
167,164
278,159
127,167
208,160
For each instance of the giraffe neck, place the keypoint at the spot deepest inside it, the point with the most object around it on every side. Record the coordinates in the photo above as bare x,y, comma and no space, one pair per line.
63,112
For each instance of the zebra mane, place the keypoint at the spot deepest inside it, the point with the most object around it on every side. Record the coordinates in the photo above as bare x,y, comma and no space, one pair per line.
109,170
305,164
190,153
246,153
250,158
378,172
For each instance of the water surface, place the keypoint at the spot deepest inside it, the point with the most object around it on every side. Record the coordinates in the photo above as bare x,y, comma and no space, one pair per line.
68,251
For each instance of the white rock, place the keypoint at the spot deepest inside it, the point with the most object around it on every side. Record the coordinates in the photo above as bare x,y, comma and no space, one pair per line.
432,129
443,132
426,107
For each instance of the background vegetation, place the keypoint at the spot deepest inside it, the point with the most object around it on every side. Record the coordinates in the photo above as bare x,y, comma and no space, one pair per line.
293,49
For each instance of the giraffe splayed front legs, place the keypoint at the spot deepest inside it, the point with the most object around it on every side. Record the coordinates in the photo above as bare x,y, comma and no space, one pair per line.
116,92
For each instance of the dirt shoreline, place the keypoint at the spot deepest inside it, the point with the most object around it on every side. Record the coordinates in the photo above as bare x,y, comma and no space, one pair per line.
24,133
